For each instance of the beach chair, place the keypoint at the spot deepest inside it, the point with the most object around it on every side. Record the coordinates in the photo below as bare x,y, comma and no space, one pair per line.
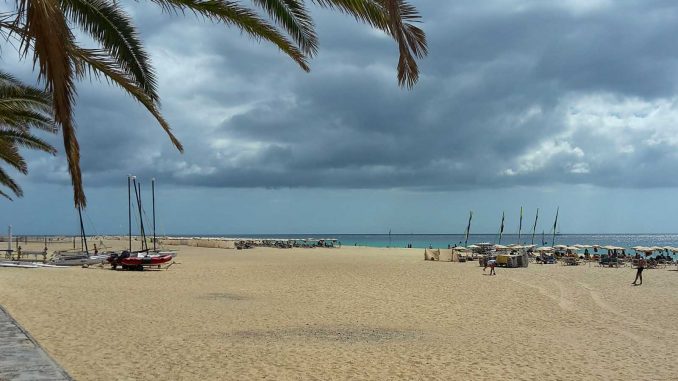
604,261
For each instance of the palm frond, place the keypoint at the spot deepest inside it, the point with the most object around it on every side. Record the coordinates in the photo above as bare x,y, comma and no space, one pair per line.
393,17
12,91
247,20
109,25
22,119
7,181
99,63
293,16
9,153
26,140
5,195
47,32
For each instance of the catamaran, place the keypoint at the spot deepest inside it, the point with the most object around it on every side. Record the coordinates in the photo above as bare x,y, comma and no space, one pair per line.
137,260
78,258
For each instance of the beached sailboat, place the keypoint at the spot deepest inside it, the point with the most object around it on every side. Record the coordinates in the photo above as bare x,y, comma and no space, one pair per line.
137,260
79,258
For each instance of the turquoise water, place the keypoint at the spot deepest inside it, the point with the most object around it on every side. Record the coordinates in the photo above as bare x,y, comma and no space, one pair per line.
442,240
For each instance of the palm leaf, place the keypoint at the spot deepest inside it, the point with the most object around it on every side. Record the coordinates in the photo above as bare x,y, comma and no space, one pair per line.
99,63
21,118
295,19
47,32
26,140
246,19
393,17
5,195
9,153
109,25
10,183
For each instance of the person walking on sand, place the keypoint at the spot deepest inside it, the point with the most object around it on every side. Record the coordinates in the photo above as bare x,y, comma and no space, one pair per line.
491,263
639,272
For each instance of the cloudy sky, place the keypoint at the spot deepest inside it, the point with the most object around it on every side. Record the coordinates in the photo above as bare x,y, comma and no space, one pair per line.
520,103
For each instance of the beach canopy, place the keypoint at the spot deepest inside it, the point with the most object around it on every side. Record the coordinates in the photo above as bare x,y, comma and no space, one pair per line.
584,246
544,248
473,246
560,247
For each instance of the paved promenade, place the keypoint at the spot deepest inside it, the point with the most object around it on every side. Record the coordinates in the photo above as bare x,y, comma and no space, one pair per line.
21,358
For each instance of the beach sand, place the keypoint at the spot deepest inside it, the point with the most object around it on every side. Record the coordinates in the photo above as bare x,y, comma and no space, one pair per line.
347,314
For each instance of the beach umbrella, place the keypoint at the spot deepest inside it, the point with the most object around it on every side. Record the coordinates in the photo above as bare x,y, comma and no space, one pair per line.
545,248
560,246
473,246
500,247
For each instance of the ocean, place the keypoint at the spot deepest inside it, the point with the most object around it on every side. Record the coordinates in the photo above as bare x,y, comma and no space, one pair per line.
442,240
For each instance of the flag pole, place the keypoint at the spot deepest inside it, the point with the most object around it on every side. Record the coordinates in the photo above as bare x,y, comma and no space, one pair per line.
534,228
468,227
520,225
555,224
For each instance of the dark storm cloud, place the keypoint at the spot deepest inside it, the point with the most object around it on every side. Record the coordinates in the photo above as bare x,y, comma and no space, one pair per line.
513,93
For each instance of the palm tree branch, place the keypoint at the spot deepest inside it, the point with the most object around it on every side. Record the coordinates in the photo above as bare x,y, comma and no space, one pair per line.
99,63
26,140
109,25
5,195
9,153
393,17
46,31
246,19
7,181
20,118
295,19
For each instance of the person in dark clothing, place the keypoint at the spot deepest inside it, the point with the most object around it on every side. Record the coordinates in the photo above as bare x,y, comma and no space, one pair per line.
639,272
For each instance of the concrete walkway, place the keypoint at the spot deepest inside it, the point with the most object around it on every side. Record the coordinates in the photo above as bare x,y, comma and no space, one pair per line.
21,358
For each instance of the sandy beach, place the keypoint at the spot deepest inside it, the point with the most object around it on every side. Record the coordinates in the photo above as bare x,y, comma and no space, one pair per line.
349,313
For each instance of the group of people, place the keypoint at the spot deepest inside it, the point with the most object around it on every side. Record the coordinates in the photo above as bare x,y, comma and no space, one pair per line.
641,264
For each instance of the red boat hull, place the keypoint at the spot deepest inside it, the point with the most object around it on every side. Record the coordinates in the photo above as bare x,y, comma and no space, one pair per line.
146,261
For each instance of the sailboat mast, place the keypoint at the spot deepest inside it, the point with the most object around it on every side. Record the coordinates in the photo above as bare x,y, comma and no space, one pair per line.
144,244
129,210
555,224
534,228
501,228
520,225
468,227
83,237
153,192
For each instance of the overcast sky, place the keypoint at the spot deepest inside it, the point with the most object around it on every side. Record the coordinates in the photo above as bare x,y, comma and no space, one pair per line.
520,103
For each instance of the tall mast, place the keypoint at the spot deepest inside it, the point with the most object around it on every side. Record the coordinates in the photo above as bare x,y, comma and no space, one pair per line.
520,226
153,192
534,228
9,241
468,227
137,192
555,224
83,237
129,210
